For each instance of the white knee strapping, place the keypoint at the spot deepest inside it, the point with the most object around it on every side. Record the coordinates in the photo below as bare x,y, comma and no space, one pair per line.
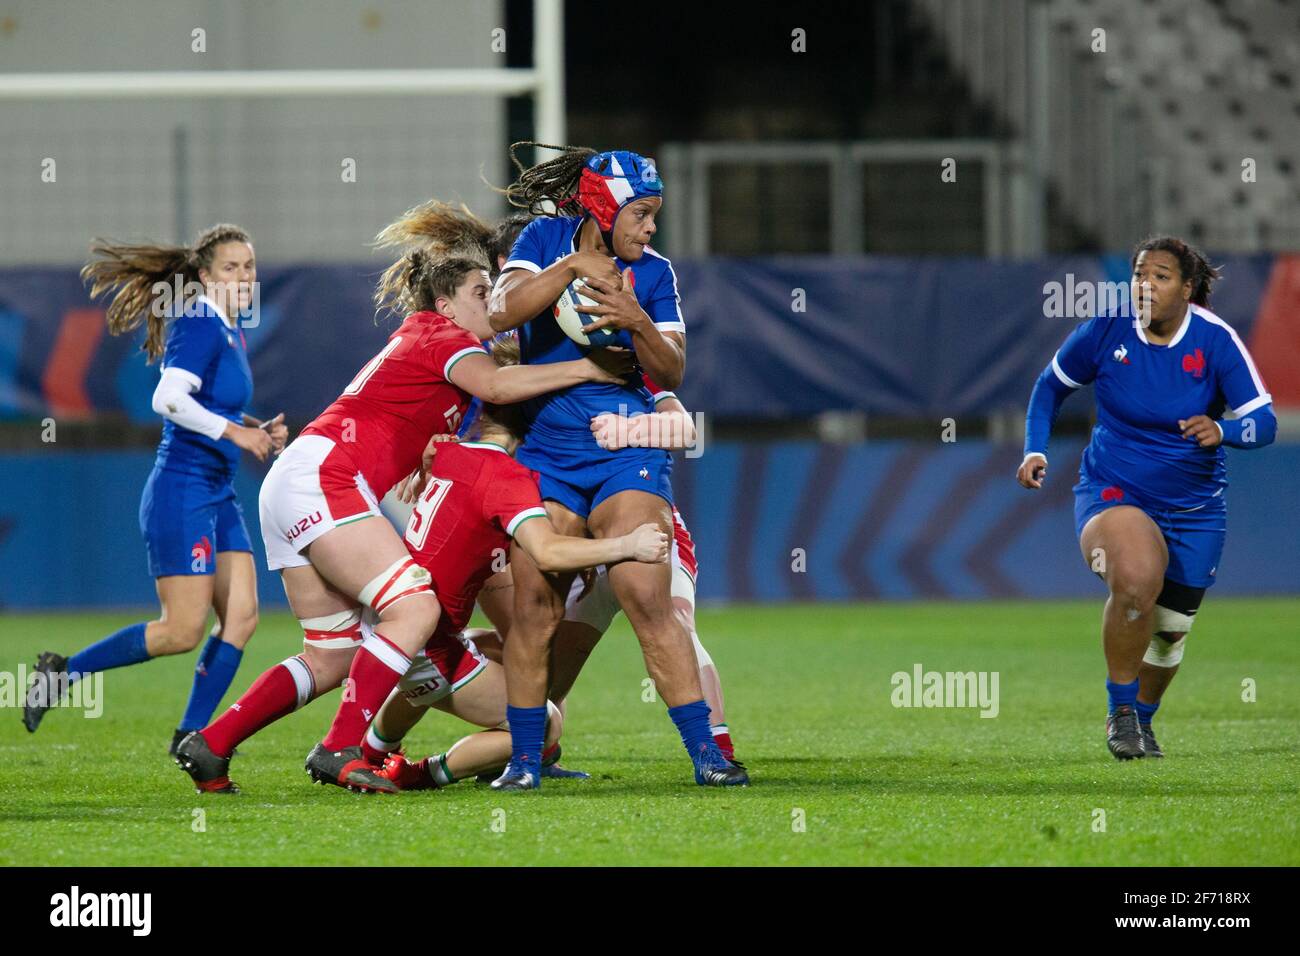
303,681
332,631
1163,653
702,657
1174,622
400,579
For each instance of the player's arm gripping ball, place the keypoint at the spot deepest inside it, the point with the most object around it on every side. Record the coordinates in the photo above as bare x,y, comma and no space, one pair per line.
662,354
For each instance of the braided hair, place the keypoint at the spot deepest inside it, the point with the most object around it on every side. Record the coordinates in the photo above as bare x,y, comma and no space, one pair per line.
551,183
137,270
1192,264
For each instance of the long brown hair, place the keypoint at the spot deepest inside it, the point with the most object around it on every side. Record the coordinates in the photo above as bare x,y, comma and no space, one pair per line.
415,282
439,244
136,270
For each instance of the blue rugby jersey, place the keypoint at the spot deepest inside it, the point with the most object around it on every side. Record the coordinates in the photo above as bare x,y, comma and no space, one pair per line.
202,344
1142,391
563,418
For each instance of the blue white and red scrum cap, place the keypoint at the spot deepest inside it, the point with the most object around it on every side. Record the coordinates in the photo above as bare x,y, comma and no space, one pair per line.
613,179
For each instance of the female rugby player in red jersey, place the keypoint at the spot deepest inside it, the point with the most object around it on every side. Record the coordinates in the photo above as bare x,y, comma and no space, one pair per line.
316,501
477,500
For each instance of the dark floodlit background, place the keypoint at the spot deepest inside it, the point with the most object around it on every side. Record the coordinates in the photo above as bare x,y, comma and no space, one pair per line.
867,206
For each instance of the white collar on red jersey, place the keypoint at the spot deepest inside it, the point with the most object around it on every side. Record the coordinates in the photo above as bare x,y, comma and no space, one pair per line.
483,444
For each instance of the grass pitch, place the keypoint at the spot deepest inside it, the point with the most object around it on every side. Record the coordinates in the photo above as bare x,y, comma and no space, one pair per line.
841,775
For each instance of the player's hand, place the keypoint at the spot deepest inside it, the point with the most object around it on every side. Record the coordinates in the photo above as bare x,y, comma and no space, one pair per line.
408,489
616,304
278,431
648,544
1033,471
609,430
593,265
253,440
1201,429
613,366
412,486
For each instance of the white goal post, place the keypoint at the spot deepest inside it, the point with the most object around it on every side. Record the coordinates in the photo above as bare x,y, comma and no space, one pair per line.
544,81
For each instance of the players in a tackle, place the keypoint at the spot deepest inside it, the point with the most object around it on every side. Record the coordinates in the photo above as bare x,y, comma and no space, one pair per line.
1173,386
318,501
476,501
596,217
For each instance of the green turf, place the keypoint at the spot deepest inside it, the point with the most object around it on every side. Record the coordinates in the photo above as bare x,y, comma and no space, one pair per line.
809,701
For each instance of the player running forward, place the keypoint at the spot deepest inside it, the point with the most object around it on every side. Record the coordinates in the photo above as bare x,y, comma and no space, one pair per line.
607,203
318,501
198,548
476,500
1149,506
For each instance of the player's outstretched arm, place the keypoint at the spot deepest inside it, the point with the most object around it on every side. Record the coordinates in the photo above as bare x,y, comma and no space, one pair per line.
669,427
482,377
520,295
560,552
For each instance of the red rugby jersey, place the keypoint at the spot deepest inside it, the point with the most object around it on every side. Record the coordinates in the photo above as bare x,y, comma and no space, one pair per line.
402,396
477,495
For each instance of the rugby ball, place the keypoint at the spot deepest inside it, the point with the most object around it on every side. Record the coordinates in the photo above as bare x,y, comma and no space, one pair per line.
572,322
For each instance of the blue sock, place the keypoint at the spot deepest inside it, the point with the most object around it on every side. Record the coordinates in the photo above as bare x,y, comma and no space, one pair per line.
212,676
692,722
527,734
1121,694
1146,711
117,650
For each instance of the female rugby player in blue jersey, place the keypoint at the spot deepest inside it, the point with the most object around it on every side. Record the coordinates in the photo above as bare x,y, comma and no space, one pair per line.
1173,386
596,215
198,548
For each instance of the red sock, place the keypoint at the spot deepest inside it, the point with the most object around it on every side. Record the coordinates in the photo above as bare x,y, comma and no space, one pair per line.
376,669
272,696
549,752
723,740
